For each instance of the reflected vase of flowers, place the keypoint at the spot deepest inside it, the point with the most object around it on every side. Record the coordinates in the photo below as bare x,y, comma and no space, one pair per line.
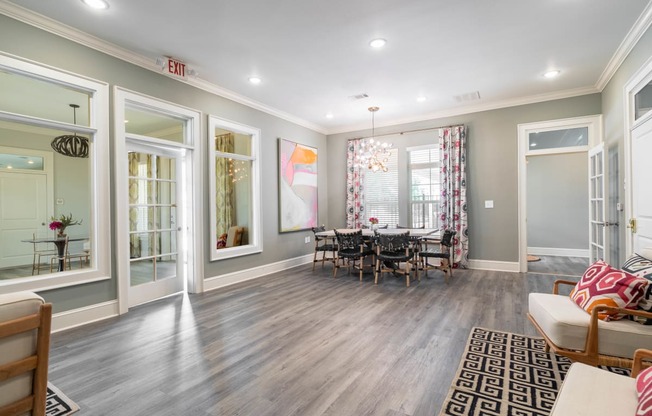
61,223
374,223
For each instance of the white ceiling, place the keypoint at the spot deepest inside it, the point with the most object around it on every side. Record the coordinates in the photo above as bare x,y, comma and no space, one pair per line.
313,55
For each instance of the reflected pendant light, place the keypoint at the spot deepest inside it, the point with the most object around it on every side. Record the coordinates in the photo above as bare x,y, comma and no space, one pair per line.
71,145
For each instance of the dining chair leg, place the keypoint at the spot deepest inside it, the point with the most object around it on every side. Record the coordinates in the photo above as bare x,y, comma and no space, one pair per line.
361,267
407,274
376,271
314,260
336,266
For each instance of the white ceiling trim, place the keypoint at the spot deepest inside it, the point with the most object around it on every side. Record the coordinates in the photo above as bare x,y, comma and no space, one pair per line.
42,22
493,105
642,24
72,34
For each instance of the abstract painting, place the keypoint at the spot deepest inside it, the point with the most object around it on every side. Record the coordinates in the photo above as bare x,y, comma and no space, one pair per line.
297,186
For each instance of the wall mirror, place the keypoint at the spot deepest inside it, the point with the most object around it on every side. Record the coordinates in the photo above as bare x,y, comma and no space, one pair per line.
234,188
49,169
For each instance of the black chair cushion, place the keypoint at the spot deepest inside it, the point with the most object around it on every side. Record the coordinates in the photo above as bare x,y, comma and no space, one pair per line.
326,247
434,253
354,252
394,256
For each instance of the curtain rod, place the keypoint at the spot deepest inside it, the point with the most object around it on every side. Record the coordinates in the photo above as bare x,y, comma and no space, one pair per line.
405,132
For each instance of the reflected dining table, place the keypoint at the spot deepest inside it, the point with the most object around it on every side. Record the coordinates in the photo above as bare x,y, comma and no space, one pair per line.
60,243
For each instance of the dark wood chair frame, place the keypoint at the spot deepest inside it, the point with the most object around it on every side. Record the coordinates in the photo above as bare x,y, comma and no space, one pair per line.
38,362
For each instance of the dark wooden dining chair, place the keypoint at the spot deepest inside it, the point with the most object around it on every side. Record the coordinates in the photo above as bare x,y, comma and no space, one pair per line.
391,251
441,250
351,249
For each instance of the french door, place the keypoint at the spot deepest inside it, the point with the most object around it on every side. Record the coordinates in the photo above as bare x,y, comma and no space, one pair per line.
640,224
598,224
156,265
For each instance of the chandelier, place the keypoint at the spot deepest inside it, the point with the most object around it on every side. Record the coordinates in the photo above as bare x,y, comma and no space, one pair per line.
71,145
374,154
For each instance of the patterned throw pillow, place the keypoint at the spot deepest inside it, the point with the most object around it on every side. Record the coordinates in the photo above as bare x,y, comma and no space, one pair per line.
641,267
644,391
601,284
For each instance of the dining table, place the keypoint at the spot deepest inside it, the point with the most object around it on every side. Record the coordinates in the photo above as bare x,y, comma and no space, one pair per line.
427,233
60,243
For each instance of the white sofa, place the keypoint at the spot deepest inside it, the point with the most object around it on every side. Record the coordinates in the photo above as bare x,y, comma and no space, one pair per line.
24,349
590,391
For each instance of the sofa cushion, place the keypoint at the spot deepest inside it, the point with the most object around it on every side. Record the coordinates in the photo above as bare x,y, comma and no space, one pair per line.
641,267
566,325
602,284
579,394
644,392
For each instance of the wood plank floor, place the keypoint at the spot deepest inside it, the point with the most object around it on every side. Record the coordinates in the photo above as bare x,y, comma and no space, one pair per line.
571,266
292,343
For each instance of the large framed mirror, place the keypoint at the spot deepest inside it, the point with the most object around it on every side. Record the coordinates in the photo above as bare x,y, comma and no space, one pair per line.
53,127
234,161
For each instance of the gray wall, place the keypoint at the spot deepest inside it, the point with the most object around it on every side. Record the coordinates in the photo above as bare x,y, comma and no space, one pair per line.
613,116
492,172
557,201
28,42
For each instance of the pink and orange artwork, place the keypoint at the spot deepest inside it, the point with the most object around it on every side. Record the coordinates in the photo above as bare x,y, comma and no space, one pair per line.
298,186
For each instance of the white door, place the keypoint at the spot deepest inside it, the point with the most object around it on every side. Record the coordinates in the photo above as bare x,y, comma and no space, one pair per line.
23,212
640,225
156,266
598,225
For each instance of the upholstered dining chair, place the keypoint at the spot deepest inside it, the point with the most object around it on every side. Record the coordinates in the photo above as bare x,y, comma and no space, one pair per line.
323,245
392,250
442,252
351,248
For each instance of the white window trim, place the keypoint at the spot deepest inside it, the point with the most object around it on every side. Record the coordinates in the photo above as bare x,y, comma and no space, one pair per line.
100,201
194,245
594,125
255,237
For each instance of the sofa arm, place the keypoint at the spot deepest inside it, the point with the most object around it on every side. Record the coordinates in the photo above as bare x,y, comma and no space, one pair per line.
555,286
639,356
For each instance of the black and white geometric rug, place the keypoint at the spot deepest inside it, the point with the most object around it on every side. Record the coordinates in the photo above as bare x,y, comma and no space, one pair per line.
58,404
505,374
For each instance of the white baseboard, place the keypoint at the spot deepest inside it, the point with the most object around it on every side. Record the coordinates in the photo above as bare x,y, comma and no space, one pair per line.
82,316
500,266
550,251
229,279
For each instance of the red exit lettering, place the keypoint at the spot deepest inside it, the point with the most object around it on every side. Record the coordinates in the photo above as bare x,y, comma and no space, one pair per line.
176,68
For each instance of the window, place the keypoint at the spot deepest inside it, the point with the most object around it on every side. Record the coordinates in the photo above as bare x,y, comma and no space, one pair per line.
643,101
37,183
234,189
381,193
423,166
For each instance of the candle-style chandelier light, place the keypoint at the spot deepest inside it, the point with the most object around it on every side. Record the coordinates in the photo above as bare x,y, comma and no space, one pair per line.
373,154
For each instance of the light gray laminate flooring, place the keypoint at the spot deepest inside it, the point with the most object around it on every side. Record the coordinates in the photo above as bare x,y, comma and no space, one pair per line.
291,343
560,265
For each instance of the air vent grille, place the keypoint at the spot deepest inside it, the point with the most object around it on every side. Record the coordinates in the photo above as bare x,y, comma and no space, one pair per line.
467,97
358,96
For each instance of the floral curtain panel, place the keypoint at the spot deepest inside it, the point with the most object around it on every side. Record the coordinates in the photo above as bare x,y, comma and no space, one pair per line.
452,151
354,186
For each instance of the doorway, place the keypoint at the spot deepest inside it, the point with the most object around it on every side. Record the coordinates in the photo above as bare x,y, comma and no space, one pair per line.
553,194
157,187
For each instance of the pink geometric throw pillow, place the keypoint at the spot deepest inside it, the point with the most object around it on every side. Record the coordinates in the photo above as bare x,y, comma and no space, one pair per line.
644,391
602,284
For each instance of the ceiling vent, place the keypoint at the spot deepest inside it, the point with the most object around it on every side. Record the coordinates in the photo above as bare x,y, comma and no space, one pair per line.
358,96
468,97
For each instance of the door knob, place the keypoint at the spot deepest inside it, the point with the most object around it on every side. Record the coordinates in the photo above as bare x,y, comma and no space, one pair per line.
632,225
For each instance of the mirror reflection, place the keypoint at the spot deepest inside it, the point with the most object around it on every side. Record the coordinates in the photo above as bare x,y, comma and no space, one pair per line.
233,189
45,203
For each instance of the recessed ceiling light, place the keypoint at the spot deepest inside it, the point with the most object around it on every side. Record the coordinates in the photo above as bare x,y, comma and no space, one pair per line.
329,115
126,121
96,4
533,145
377,43
551,74
255,80
421,99
31,162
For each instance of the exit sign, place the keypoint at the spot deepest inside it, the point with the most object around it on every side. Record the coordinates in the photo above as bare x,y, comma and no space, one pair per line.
175,68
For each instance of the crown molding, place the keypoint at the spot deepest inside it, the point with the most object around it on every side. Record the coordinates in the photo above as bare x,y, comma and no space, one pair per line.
631,39
57,28
476,108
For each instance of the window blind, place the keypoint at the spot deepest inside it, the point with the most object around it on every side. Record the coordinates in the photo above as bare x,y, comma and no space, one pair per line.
381,193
